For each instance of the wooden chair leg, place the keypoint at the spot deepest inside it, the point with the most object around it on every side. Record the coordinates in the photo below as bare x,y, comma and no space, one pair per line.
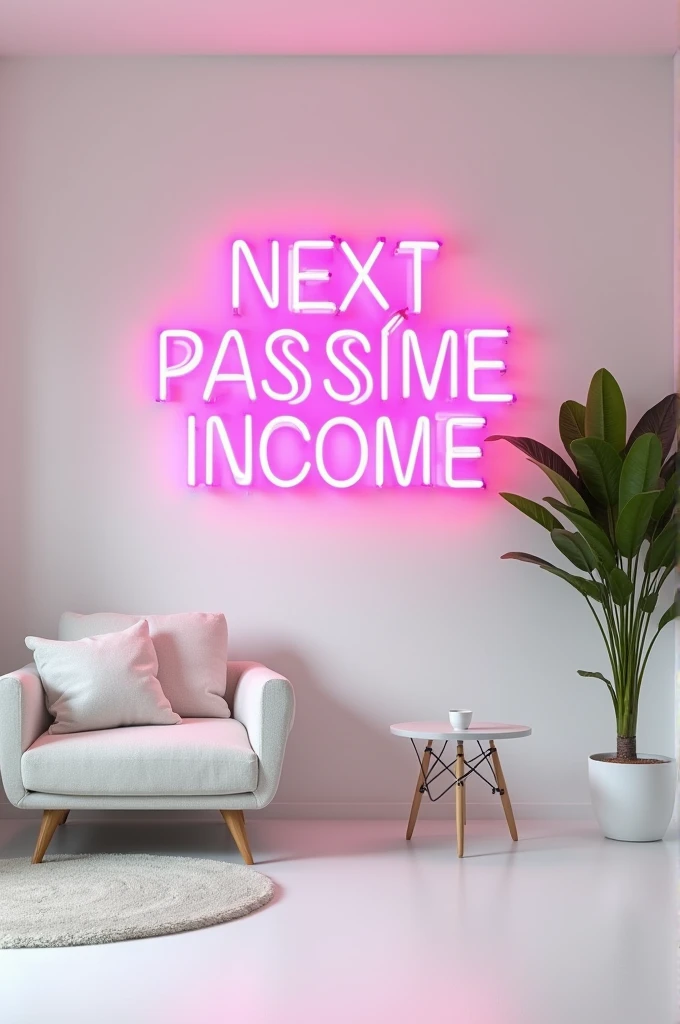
460,799
505,796
64,816
418,796
48,826
236,824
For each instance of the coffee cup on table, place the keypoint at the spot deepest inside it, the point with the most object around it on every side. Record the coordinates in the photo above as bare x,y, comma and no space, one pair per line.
460,719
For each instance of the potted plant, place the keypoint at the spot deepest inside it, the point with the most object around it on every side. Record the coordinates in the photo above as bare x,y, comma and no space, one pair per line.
620,500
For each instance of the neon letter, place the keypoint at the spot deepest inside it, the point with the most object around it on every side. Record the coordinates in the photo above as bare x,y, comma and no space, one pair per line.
343,421
409,343
242,477
474,364
245,374
289,338
193,353
389,327
191,451
363,276
415,285
356,397
296,276
277,424
421,436
270,296
452,451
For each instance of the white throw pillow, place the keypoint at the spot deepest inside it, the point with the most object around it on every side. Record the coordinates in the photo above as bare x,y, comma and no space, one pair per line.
191,649
102,682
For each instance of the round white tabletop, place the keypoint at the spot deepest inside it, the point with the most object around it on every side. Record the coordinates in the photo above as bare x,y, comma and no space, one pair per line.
445,731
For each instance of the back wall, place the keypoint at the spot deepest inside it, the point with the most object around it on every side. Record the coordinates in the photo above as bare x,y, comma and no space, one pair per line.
551,183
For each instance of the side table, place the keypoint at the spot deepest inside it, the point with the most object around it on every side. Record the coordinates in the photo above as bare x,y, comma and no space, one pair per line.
485,735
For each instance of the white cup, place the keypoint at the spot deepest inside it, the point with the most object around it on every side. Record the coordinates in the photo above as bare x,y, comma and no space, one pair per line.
460,719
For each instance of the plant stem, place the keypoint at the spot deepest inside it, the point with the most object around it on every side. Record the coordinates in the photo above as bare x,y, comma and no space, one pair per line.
626,747
609,652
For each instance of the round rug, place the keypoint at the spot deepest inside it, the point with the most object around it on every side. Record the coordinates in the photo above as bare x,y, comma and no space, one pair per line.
87,899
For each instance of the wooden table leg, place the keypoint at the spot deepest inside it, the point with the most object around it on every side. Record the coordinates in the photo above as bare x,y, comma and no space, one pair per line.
418,795
505,796
460,799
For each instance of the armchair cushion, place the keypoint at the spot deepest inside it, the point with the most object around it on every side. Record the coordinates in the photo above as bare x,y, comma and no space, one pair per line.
102,682
197,758
191,649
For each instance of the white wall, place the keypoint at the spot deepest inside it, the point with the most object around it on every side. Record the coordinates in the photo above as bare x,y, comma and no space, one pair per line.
550,180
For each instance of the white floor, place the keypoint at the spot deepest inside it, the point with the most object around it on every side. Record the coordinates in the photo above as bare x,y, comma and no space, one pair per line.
565,927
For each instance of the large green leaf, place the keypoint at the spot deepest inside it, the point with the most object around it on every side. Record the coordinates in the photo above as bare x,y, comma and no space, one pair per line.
532,509
648,604
593,675
641,468
606,410
662,420
538,452
667,498
567,490
620,585
670,613
575,548
670,466
585,587
599,464
572,422
662,550
598,675
633,521
589,529
523,556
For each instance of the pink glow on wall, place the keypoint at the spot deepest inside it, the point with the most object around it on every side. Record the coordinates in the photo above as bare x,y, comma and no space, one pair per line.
346,384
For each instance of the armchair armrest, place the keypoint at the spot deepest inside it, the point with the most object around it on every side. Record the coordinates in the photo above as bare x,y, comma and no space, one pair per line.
264,703
23,717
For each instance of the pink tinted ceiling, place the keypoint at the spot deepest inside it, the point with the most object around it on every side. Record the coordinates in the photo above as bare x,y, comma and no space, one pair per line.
336,27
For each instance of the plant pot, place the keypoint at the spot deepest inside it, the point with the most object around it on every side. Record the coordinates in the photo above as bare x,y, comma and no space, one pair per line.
632,802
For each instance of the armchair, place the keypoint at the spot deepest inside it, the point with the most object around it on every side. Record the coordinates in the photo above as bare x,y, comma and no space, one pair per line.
229,765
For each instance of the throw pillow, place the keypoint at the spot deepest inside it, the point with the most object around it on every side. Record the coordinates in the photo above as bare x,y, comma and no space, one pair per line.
191,649
102,682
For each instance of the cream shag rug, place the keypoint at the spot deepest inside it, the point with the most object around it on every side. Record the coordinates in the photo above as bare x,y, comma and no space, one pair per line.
82,900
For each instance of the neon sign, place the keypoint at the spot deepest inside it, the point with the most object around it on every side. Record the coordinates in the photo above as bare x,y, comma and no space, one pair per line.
329,374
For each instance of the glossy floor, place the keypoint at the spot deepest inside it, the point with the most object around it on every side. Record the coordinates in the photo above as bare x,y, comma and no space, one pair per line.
564,926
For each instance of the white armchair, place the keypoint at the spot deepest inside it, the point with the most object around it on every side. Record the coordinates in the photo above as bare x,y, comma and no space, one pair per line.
226,764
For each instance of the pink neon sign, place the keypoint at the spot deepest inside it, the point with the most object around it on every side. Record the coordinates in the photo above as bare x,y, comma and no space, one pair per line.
329,373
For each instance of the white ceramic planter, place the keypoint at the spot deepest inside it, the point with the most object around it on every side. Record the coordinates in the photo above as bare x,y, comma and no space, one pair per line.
633,802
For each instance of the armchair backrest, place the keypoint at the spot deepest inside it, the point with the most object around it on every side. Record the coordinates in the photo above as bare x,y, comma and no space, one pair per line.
191,649
73,626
